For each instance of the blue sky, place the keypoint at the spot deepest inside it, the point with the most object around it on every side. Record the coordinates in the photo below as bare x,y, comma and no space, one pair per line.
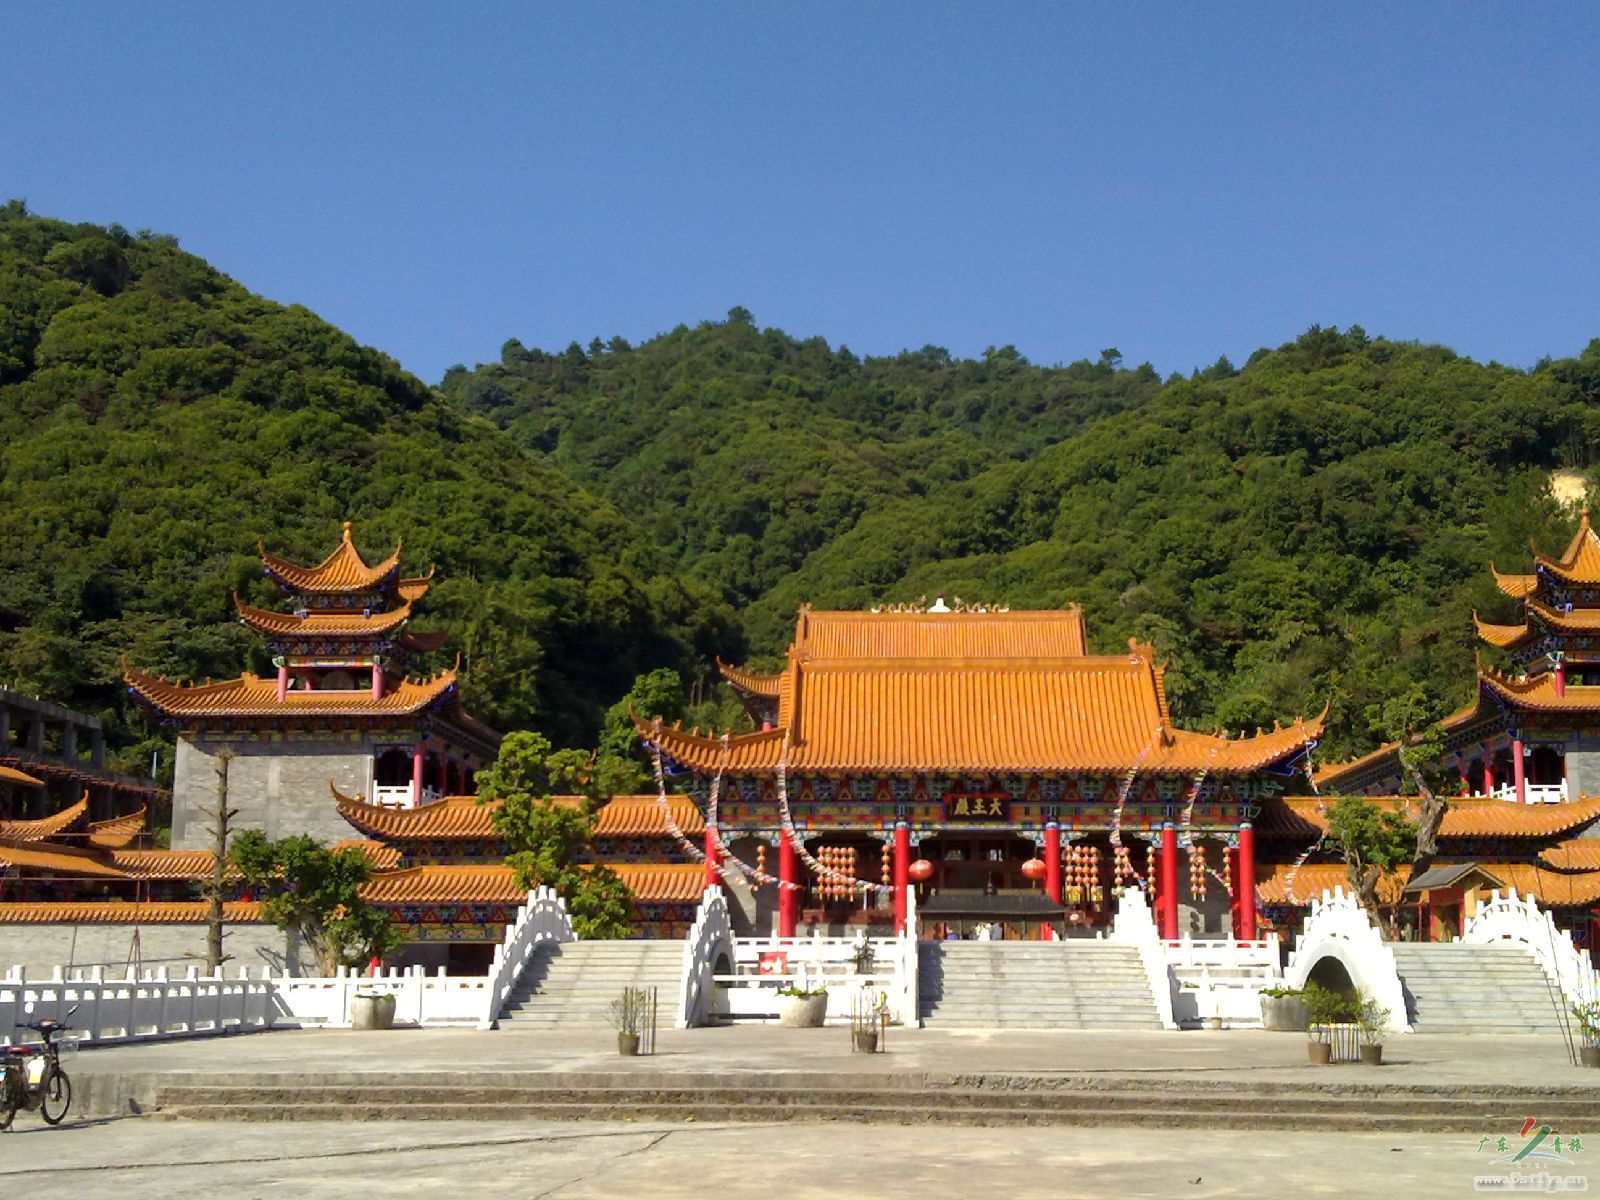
1178,181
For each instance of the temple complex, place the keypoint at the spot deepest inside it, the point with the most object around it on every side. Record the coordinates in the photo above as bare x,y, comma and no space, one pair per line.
987,756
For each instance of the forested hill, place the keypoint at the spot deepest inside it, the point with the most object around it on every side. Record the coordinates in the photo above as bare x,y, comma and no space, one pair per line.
157,419
1313,528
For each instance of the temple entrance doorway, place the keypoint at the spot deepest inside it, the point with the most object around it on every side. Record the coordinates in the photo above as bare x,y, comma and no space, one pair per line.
978,861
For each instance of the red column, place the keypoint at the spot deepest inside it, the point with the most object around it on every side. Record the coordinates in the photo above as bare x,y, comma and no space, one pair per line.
1244,882
1519,771
444,775
1488,774
788,898
1561,677
1167,900
1052,862
1233,873
283,682
713,857
377,681
1466,784
902,875
416,774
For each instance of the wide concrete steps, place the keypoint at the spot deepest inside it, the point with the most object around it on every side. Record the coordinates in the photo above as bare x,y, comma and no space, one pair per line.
1454,987
574,983
1076,984
1084,1102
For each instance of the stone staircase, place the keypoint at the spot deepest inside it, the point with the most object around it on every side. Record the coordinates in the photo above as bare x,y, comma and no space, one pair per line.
1455,987
572,983
1078,983
1317,1105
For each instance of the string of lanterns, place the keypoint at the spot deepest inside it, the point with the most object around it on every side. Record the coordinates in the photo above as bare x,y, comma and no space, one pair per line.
821,870
1124,864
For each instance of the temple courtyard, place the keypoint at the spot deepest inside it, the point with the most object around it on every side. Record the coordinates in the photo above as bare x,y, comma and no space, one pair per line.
745,1110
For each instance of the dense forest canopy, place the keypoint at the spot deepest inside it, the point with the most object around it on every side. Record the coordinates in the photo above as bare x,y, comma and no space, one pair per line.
156,420
1312,528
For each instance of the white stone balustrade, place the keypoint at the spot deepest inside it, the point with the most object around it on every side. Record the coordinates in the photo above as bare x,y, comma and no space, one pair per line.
541,918
710,943
1133,923
1337,927
1520,920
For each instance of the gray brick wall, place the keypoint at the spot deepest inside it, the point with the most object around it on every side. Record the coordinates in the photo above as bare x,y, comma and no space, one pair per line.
1583,774
40,948
281,789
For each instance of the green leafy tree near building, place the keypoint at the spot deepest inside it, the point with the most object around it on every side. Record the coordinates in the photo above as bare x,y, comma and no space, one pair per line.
313,892
547,836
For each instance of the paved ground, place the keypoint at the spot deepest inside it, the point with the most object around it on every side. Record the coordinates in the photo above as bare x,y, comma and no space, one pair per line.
130,1158
744,1052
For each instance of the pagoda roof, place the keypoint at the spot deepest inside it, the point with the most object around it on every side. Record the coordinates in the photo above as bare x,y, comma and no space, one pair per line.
1048,633
343,571
251,696
43,828
381,855
123,912
464,818
1502,637
53,858
750,682
424,643
118,832
495,883
1581,561
1540,617
1573,854
1305,817
414,589
340,623
1538,692
21,778
1518,587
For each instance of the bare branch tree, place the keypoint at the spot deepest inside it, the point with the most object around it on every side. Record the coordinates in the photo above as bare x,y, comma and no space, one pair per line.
214,889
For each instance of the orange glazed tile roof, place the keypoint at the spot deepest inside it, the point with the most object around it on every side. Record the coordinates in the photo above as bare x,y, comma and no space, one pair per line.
340,623
640,816
748,681
495,883
1516,586
116,833
51,859
21,778
1502,637
1581,562
342,571
381,856
412,590
489,883
1056,633
464,818
1467,817
43,828
1315,878
1574,854
1538,692
1028,712
122,912
251,696
162,864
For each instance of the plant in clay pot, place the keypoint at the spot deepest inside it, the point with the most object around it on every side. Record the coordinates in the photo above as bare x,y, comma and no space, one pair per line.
1588,1019
1373,1019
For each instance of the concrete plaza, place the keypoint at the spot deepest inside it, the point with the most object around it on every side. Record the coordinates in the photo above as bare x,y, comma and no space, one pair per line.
117,1154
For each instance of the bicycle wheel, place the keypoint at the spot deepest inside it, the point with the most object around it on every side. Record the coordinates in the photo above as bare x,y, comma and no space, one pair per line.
8,1096
55,1098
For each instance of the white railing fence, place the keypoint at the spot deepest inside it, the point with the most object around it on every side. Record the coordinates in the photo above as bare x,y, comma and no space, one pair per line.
1222,979
542,918
710,938
1133,923
135,1007
750,993
1338,927
1511,918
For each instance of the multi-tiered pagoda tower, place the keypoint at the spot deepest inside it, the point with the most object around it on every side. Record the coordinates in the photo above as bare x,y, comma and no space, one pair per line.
1532,733
341,709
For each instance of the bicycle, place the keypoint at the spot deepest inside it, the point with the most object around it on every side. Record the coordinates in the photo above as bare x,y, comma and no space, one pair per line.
33,1075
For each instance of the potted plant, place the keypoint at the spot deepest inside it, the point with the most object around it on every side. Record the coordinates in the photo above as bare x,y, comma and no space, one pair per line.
1283,1009
1588,1018
1373,1018
372,1010
1324,1009
627,1017
802,1007
869,1013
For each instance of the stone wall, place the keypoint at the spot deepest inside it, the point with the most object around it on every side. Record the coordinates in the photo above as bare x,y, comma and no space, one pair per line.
281,788
1583,775
40,948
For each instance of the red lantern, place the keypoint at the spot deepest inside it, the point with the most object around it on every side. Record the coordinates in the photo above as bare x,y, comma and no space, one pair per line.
920,871
1033,870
